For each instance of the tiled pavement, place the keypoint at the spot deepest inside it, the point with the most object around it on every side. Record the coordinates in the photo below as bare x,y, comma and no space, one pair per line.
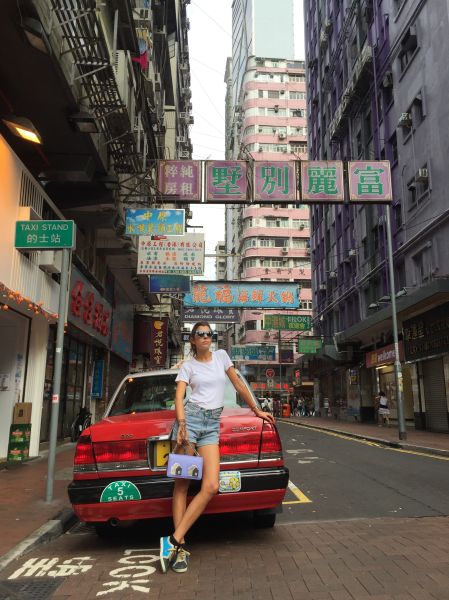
376,559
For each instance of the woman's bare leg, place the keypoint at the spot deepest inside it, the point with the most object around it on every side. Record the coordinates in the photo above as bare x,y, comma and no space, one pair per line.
179,505
209,487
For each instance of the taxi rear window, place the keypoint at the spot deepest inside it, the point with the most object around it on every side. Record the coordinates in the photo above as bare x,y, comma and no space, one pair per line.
153,393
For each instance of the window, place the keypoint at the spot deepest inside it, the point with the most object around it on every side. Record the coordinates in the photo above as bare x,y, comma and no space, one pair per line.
298,147
305,284
296,112
273,93
250,130
393,148
251,262
297,95
296,78
397,211
422,181
276,112
296,243
411,190
260,93
409,46
276,222
261,111
250,325
300,223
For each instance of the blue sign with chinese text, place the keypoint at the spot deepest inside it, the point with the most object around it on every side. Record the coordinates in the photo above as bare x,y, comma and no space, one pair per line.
243,295
169,283
97,379
154,221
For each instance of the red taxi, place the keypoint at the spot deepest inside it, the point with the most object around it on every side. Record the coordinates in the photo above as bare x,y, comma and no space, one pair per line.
119,469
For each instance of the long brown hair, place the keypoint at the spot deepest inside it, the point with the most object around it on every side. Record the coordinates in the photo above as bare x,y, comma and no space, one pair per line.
192,335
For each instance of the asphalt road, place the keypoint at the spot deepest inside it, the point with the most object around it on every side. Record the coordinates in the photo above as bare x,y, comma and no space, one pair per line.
347,478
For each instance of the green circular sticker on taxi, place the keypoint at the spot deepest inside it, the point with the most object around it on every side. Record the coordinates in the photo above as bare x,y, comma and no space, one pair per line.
118,491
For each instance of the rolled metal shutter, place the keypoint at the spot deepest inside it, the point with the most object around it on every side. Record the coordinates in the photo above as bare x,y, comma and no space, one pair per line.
435,395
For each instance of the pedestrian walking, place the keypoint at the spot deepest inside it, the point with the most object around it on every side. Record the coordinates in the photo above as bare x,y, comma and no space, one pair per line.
198,423
383,412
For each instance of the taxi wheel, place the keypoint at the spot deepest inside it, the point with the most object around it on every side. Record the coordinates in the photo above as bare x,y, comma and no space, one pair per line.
264,521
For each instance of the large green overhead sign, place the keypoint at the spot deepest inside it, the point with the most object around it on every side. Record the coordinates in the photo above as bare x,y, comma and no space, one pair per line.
288,322
306,346
45,235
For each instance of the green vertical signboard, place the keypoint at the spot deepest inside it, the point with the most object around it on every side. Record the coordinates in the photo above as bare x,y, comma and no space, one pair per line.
45,235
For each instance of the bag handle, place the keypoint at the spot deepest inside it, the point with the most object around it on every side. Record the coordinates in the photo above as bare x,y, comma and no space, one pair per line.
182,446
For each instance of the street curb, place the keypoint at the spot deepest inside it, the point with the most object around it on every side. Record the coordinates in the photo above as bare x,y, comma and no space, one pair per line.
400,445
47,532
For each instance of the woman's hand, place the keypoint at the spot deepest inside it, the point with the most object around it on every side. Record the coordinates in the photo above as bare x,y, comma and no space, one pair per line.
266,416
182,437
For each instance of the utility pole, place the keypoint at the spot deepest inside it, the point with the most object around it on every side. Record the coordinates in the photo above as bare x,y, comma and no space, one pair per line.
62,313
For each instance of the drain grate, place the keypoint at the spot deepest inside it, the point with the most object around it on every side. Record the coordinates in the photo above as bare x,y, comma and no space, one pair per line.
29,589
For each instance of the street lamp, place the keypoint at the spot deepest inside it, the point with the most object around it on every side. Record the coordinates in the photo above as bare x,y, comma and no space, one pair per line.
394,318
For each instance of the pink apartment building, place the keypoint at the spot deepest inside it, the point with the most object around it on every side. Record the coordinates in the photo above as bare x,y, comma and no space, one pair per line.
271,241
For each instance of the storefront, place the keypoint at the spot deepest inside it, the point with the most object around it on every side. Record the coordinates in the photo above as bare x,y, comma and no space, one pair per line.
426,348
380,365
86,344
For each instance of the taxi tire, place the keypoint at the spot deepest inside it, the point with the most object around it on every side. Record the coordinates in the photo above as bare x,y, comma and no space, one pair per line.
264,521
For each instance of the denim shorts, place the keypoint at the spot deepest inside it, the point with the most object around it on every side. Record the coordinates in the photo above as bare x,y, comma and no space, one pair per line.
202,425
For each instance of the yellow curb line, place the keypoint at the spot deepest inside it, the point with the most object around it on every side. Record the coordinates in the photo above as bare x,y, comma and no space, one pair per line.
302,498
368,442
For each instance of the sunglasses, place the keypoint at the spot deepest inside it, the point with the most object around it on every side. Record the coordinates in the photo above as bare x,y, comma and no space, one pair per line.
203,334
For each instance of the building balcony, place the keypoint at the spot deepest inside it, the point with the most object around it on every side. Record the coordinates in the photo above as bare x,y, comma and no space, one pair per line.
261,231
279,211
288,252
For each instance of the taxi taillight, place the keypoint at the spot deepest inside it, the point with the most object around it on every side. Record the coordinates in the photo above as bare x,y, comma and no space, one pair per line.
271,447
84,460
118,452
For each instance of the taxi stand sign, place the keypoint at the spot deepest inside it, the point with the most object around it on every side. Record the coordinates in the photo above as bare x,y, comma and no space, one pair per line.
45,235
280,182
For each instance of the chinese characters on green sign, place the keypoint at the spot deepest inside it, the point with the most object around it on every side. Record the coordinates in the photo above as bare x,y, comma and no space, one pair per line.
288,322
275,181
306,346
45,235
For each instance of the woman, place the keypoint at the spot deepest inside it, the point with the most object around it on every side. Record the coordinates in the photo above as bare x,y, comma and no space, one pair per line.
383,410
198,422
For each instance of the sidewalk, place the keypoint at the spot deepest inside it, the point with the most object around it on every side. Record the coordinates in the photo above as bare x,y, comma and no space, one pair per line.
23,509
420,441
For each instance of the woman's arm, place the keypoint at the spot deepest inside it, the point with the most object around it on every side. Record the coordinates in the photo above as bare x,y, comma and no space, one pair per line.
246,395
179,408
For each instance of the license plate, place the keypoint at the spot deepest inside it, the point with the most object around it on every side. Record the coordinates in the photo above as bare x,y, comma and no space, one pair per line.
230,481
163,448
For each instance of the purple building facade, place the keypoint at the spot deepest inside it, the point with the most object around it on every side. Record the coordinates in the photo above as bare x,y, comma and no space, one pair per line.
375,70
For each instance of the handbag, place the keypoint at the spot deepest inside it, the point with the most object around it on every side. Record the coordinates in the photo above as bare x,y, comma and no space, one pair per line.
185,466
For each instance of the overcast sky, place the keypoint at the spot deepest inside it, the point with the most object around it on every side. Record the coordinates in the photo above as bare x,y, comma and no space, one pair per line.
209,47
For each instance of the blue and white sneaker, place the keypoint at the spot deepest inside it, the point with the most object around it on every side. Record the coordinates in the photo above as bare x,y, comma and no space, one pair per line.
167,553
181,561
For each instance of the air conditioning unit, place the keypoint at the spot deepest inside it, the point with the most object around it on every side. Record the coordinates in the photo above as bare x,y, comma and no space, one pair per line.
387,81
183,115
352,252
422,175
282,135
260,130
284,150
50,261
332,274
284,250
282,92
180,139
405,120
184,154
307,251
144,14
260,149
266,335
322,287
279,270
302,226
184,66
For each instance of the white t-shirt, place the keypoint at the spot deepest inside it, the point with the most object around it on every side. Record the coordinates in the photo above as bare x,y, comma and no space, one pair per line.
207,379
